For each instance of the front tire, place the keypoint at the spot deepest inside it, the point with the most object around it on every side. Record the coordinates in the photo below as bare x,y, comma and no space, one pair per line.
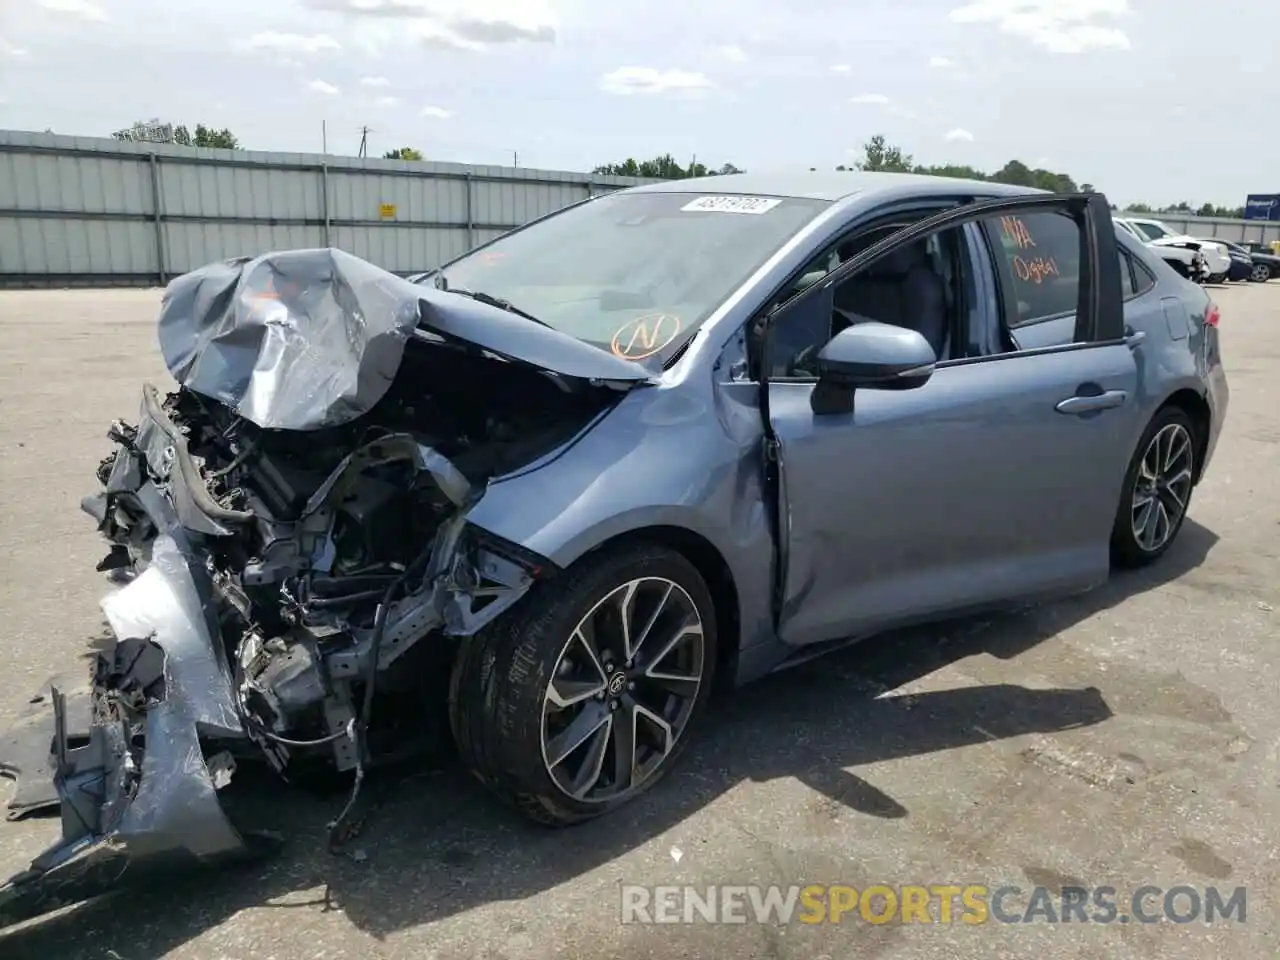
1261,273
581,697
1218,278
1156,491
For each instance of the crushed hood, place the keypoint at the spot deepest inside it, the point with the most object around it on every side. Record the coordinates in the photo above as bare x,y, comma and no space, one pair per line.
305,339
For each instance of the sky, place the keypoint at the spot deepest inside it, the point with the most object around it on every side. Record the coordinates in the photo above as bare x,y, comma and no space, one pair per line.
1149,100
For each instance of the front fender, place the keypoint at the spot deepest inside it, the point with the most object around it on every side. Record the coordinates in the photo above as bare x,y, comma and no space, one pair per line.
663,457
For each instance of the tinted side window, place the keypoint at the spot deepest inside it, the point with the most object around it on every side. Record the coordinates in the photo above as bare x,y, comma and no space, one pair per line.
1127,285
1143,279
1038,255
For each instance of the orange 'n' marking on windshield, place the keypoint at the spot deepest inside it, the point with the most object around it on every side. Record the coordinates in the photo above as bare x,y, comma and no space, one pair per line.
642,337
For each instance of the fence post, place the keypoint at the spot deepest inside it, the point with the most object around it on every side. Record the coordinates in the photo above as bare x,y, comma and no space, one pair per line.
324,201
471,239
161,259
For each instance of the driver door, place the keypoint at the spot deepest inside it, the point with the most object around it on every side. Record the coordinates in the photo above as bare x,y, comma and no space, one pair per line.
979,486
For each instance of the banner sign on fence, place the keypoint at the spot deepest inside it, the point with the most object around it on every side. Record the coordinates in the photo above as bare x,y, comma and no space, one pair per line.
1262,206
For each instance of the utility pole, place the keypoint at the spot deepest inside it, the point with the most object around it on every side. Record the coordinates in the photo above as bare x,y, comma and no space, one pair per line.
324,136
364,142
515,158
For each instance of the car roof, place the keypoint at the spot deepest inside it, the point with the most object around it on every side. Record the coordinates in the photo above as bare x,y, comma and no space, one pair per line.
829,185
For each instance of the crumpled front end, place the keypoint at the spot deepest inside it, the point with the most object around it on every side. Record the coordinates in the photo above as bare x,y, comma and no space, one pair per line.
292,525
140,791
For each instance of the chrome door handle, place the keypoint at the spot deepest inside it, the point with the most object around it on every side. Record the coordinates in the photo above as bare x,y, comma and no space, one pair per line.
1101,401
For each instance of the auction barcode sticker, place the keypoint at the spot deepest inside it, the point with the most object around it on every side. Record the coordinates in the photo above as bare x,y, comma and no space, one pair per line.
723,204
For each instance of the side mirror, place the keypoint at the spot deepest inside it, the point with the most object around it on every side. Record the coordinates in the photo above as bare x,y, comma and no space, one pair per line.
871,355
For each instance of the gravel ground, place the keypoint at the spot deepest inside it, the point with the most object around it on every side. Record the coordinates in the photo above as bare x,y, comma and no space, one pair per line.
1129,736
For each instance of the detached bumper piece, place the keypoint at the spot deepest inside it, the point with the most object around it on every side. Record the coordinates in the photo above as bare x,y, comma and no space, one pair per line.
139,793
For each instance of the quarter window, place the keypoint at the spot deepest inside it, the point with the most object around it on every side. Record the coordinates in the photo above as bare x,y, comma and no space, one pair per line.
1135,278
1127,285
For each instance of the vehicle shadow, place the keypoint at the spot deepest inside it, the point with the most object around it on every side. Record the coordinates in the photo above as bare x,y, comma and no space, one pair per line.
437,845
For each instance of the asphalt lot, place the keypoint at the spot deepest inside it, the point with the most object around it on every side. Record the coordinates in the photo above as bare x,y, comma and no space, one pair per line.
973,753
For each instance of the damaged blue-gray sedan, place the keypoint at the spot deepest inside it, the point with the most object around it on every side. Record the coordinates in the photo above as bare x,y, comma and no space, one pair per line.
557,488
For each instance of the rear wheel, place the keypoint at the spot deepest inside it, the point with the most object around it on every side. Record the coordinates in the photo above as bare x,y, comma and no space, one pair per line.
580,698
1156,491
1261,273
1218,278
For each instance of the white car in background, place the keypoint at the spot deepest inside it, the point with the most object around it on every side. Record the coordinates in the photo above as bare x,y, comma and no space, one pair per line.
1160,237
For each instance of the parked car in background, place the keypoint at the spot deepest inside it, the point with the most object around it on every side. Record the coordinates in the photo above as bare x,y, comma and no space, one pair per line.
1242,265
1266,263
1186,259
1159,234
691,431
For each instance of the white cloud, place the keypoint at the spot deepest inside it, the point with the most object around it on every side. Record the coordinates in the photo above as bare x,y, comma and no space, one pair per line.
386,101
374,82
436,113
1061,26
940,63
319,86
733,53
454,24
958,135
81,9
841,68
647,80
878,99
295,43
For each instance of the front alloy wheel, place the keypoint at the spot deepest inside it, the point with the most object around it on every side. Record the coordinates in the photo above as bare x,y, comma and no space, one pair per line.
1261,273
581,696
623,690
1157,490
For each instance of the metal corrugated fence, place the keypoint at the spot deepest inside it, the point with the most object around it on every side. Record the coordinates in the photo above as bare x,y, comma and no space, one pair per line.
84,210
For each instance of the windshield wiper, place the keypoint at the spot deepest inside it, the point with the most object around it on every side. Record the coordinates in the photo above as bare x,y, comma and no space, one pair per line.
481,297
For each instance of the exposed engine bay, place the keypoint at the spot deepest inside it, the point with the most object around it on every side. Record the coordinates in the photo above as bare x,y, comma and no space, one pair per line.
290,526
335,549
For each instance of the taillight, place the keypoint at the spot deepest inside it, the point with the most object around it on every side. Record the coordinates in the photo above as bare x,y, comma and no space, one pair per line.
1212,314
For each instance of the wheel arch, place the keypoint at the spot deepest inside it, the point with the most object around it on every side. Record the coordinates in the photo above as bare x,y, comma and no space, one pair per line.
715,571
1196,407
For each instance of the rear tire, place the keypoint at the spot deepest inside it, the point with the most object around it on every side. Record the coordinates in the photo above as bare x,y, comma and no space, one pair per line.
539,706
1261,273
1156,491
1218,278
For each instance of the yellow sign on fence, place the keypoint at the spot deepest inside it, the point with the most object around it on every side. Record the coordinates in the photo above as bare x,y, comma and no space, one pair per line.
387,211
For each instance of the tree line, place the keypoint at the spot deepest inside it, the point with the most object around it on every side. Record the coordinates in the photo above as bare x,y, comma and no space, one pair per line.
880,155
665,167
877,154
202,136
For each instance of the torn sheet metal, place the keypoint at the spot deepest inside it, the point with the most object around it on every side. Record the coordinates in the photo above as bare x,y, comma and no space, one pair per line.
295,340
27,749
130,808
305,339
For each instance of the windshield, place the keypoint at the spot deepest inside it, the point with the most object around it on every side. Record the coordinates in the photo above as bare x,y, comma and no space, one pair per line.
1152,229
632,273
